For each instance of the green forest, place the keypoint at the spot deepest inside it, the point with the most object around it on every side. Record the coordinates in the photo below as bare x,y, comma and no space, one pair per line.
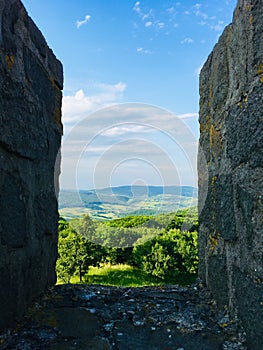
133,250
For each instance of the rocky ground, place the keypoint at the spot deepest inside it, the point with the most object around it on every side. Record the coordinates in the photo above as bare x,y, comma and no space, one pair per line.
112,318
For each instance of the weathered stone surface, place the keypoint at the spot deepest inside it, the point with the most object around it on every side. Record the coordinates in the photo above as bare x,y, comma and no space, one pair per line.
231,169
114,318
31,80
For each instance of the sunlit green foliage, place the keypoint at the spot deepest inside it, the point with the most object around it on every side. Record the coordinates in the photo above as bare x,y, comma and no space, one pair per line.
120,275
185,220
75,253
168,254
164,247
129,221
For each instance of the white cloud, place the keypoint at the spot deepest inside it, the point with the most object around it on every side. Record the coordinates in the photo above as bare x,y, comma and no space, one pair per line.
79,95
160,25
201,14
147,15
197,6
198,12
79,105
128,129
218,27
137,8
86,20
187,115
105,139
187,41
119,87
148,24
170,10
149,18
142,50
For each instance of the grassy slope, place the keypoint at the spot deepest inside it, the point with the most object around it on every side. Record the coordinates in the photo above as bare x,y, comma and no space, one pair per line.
127,276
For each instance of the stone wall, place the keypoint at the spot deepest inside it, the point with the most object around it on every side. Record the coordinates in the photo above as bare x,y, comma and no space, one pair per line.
31,81
231,169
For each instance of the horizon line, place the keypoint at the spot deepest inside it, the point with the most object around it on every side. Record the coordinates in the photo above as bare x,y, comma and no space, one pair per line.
118,186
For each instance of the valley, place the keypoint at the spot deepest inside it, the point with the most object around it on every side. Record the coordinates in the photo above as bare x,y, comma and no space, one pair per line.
115,202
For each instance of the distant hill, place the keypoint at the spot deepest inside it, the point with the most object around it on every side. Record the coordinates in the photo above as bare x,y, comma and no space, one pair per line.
114,202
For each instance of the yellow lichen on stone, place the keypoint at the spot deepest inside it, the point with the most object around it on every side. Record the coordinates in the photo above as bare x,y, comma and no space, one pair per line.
208,123
260,72
249,8
251,19
213,241
260,69
10,60
243,101
224,325
205,127
214,178
210,94
215,138
202,127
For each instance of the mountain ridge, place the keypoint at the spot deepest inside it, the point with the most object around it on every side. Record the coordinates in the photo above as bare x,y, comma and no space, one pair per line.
113,202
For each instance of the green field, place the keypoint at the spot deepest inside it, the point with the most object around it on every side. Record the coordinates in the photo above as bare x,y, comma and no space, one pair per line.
126,276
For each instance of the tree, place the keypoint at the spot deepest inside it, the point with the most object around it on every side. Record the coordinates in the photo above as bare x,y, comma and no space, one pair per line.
66,259
75,253
157,262
168,254
85,227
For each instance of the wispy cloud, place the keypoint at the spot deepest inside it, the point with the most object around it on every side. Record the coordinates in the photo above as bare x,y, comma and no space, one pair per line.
187,40
198,6
188,115
199,13
160,25
170,10
144,51
84,21
218,27
107,139
147,17
136,7
127,129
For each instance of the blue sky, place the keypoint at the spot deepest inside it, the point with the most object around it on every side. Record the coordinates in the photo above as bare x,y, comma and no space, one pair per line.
122,52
